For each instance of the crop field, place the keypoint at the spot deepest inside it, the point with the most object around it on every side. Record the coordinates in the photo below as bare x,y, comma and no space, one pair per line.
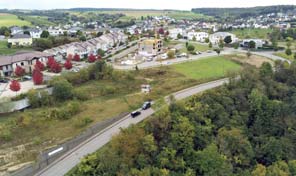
12,20
213,67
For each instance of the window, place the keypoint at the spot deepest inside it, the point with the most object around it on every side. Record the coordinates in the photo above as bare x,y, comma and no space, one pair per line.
22,64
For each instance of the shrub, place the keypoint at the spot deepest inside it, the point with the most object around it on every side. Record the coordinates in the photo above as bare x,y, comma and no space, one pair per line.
5,134
62,89
39,99
65,112
80,95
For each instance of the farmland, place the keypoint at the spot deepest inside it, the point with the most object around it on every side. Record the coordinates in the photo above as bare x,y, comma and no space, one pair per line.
12,20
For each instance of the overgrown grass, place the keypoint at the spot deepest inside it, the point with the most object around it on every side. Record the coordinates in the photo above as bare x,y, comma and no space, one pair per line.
38,20
284,55
214,67
12,20
198,47
251,33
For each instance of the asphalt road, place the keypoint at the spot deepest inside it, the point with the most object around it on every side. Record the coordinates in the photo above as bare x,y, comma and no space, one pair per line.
73,157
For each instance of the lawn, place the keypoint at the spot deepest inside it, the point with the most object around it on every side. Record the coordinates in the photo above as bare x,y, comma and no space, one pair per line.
251,33
284,55
12,20
198,47
8,51
214,67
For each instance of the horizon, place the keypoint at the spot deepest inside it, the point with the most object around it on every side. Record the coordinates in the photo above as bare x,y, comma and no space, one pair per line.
139,5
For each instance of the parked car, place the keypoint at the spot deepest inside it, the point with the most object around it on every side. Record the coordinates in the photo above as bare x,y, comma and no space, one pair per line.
146,105
4,81
197,52
27,78
135,114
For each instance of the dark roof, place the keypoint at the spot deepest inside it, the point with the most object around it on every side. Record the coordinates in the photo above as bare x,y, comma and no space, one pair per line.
22,56
19,36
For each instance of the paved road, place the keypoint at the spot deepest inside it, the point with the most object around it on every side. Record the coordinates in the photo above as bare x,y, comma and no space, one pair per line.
72,158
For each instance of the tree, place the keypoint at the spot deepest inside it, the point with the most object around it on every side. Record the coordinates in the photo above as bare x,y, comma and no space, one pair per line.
252,44
101,52
37,76
210,163
260,170
194,38
190,48
179,36
19,71
161,31
171,54
207,40
62,89
91,58
76,58
235,45
221,44
68,64
218,51
15,86
50,61
82,38
279,168
266,70
55,67
39,65
210,45
44,34
295,56
288,52
228,39
274,44
99,34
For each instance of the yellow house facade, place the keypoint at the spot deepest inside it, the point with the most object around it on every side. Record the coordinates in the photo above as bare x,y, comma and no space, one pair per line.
21,40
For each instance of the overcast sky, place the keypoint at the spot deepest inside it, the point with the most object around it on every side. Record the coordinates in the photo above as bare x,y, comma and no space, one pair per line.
138,4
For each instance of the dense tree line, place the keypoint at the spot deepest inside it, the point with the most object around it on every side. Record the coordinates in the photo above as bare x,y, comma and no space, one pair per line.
246,127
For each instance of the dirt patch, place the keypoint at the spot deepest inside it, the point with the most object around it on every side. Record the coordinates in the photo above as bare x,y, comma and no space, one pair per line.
254,60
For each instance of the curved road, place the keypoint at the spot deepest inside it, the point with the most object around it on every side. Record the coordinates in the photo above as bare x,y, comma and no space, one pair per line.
73,157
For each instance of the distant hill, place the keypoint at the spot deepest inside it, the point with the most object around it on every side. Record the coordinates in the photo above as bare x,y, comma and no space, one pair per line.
244,12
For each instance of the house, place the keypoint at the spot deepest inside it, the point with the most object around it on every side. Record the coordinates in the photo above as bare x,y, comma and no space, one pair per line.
173,33
199,36
35,33
258,43
216,37
150,47
16,30
55,31
26,60
21,40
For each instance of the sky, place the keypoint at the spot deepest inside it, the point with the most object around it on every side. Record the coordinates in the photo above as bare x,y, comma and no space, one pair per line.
137,4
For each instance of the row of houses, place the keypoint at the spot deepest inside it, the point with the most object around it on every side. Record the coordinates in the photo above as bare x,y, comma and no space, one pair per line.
26,60
104,42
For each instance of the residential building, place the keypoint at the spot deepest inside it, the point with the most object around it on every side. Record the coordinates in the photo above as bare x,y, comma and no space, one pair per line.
21,40
16,30
26,60
258,43
150,47
173,33
35,33
199,36
216,37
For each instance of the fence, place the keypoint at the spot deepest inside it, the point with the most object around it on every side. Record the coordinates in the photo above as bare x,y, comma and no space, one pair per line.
49,156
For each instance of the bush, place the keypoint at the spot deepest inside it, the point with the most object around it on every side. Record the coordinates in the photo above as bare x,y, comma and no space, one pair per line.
64,113
80,95
39,99
62,89
107,90
5,134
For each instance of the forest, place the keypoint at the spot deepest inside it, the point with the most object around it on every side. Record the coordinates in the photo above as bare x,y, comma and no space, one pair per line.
243,12
247,127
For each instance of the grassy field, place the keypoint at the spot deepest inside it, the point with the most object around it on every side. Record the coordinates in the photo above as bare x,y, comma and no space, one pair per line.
7,51
187,15
38,20
251,33
198,47
214,67
284,55
12,20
